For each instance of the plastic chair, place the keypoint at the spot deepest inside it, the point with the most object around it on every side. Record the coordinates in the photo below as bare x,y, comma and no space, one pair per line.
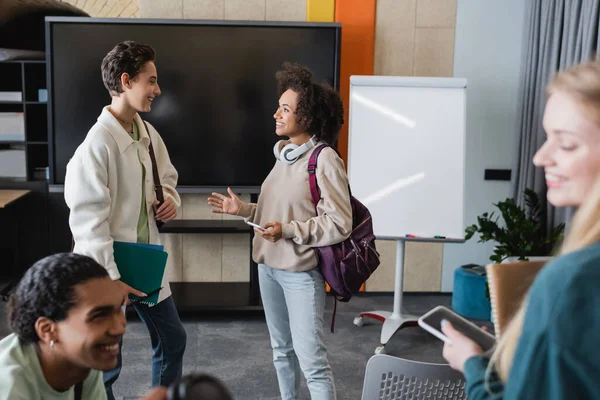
393,378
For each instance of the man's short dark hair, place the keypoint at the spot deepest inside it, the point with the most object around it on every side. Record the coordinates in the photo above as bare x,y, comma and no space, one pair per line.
48,290
126,57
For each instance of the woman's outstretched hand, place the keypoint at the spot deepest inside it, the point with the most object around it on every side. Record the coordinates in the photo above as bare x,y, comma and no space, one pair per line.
226,205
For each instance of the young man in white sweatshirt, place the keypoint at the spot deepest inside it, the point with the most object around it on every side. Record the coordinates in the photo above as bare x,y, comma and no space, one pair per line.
109,189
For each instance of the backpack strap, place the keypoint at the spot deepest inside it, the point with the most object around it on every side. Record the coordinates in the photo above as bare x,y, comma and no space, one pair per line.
157,186
316,197
334,312
78,390
158,189
312,175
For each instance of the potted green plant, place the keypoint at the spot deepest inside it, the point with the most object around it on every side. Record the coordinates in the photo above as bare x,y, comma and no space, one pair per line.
522,236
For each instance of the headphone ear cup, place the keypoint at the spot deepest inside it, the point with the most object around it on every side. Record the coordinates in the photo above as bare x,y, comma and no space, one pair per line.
283,154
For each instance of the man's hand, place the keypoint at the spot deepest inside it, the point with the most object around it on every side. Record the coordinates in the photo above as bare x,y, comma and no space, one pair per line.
129,290
166,212
158,393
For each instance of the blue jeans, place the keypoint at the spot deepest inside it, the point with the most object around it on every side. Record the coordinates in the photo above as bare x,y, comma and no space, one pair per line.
294,303
168,344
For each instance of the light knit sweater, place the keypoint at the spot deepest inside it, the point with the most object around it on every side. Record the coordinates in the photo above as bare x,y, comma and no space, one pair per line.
285,197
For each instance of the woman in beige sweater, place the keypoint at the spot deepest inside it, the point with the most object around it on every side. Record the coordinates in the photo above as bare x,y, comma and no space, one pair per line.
292,287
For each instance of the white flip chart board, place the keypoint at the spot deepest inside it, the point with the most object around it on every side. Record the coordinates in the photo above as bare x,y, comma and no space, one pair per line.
406,154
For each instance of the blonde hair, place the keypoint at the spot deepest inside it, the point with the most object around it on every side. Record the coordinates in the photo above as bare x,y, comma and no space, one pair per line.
583,83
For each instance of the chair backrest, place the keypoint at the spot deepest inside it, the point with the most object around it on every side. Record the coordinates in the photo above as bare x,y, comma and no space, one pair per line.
509,284
393,378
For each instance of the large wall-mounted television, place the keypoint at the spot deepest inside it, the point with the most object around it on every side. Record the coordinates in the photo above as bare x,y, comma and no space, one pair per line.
218,86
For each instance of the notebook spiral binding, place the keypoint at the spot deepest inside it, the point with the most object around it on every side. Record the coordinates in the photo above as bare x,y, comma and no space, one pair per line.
140,300
147,303
492,287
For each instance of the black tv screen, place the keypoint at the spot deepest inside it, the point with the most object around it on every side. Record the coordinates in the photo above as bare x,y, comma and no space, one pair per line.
218,87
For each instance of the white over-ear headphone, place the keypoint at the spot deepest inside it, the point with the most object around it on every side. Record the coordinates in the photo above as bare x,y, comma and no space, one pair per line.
291,152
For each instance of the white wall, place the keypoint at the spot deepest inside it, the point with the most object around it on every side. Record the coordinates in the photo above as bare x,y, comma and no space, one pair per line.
488,45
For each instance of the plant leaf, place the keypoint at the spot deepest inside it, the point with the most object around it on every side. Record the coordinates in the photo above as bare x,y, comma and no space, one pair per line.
517,231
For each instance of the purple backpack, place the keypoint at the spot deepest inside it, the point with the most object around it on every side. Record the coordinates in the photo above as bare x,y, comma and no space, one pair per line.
347,265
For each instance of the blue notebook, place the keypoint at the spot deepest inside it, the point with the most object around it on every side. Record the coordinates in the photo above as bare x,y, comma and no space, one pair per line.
142,266
149,246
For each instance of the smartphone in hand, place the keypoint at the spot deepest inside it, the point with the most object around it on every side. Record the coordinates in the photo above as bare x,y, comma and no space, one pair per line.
432,323
256,226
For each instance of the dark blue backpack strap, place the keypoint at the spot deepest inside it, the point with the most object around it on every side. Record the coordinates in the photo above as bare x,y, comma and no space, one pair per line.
312,175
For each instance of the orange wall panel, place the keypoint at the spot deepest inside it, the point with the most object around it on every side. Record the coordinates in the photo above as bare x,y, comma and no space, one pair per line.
358,50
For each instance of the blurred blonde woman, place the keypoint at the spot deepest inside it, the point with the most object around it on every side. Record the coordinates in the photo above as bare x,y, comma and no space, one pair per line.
549,350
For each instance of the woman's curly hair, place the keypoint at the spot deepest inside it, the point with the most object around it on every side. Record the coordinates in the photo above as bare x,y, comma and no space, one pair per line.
48,290
320,110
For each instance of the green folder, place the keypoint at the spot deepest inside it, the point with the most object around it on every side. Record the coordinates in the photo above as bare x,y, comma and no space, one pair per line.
142,267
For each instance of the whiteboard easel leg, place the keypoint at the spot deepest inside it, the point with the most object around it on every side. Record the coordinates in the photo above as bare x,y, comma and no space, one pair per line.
394,320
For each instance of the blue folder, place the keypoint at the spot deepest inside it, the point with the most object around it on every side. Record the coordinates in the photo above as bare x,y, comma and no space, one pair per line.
142,266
